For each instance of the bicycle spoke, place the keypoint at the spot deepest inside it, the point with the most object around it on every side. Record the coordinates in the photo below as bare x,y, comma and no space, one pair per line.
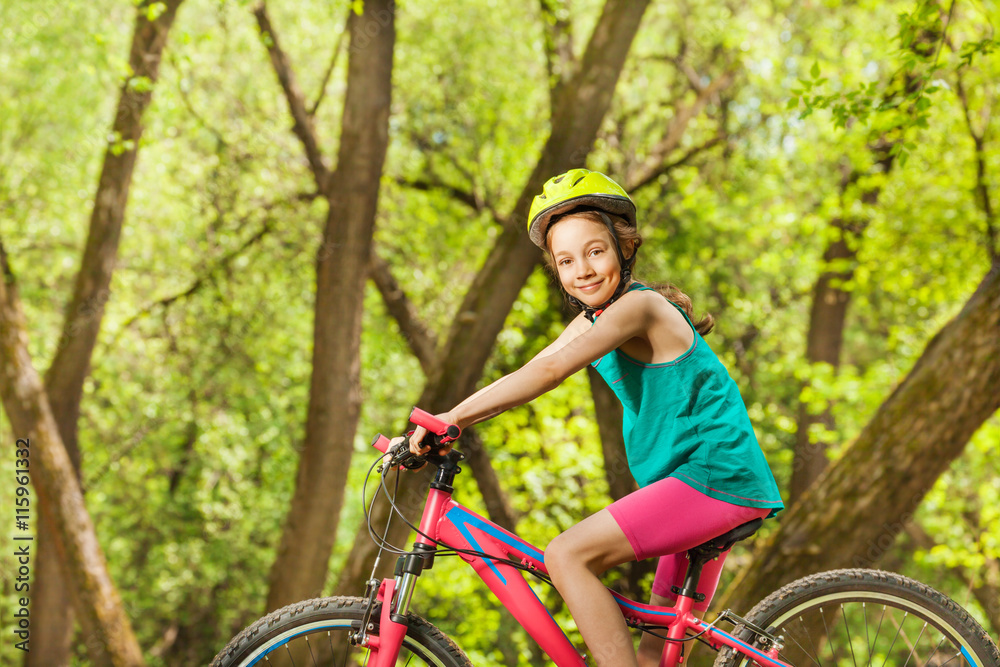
809,636
875,641
934,652
333,651
951,658
868,646
848,629
803,649
913,648
826,631
898,630
289,655
309,646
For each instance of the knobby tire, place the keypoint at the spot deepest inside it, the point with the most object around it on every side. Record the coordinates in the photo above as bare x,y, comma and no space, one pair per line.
867,618
315,633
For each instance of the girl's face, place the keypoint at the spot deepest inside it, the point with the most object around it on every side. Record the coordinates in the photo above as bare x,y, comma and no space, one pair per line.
585,259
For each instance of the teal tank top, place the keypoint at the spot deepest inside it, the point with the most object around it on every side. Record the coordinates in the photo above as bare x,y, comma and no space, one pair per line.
686,419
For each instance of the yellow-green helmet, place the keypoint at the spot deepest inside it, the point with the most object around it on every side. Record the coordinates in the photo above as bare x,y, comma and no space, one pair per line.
577,187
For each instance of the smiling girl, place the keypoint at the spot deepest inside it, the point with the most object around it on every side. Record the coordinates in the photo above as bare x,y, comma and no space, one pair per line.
688,438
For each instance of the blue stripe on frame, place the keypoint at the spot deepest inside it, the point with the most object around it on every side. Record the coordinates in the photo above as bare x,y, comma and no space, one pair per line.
465,518
644,609
462,520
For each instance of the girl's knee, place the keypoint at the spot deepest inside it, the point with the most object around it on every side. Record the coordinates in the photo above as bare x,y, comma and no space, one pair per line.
558,555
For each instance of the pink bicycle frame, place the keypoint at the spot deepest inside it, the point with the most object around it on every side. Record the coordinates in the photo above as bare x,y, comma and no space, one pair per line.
457,526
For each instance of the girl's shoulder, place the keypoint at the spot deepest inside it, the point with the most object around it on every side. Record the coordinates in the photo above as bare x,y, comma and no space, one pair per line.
640,297
667,329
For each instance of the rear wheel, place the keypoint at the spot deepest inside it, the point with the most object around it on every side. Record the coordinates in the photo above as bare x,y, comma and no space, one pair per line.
315,633
867,618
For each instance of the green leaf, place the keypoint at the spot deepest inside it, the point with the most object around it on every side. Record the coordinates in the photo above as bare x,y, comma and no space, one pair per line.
155,10
815,70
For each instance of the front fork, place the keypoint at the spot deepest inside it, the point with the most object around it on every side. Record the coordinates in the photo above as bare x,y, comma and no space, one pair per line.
394,596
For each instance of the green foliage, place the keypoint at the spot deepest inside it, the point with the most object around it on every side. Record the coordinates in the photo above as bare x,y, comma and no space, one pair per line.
195,406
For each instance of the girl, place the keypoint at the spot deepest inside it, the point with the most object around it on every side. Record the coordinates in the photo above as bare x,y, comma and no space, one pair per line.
689,441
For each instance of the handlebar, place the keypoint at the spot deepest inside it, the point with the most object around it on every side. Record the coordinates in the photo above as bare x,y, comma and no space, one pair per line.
435,425
442,431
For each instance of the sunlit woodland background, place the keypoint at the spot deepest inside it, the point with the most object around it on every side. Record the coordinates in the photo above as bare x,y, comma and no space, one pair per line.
820,176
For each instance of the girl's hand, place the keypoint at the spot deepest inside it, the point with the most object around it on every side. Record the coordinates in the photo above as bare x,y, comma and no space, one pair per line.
417,445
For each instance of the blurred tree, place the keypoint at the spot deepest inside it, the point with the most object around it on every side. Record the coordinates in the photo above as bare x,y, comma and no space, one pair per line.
342,259
72,536
51,606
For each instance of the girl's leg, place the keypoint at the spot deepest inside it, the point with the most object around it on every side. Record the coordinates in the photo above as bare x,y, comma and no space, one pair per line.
574,561
667,518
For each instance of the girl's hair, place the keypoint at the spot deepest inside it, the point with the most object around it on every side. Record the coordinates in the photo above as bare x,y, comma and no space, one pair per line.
629,238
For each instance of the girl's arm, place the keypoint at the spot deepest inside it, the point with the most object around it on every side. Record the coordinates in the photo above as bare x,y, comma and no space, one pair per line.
577,326
627,318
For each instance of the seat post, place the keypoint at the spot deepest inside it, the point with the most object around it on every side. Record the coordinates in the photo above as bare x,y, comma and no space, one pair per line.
696,562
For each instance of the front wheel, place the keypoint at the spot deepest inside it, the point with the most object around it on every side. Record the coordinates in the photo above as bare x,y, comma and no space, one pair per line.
867,617
315,633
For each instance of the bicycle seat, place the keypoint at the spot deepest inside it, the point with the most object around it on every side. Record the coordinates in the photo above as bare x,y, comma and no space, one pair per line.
725,541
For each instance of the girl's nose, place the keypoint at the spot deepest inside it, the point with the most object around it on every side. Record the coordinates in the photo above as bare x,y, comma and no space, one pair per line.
584,270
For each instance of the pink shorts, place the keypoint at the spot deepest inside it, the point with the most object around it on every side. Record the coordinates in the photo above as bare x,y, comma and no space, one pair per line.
669,517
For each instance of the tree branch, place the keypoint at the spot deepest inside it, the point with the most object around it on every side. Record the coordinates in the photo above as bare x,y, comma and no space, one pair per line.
333,64
558,37
420,339
186,98
455,192
982,186
470,199
656,164
303,125
651,176
202,279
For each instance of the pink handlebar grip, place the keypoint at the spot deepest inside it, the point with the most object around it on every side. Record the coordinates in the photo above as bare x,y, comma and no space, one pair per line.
381,443
433,424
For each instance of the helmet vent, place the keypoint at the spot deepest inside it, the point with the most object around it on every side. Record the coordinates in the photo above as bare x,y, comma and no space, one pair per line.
559,178
578,180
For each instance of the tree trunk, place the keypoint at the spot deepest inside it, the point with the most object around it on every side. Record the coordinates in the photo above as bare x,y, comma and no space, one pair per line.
855,510
51,610
109,636
300,569
575,121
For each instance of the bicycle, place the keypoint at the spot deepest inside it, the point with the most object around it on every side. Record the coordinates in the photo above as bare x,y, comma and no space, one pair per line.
830,619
